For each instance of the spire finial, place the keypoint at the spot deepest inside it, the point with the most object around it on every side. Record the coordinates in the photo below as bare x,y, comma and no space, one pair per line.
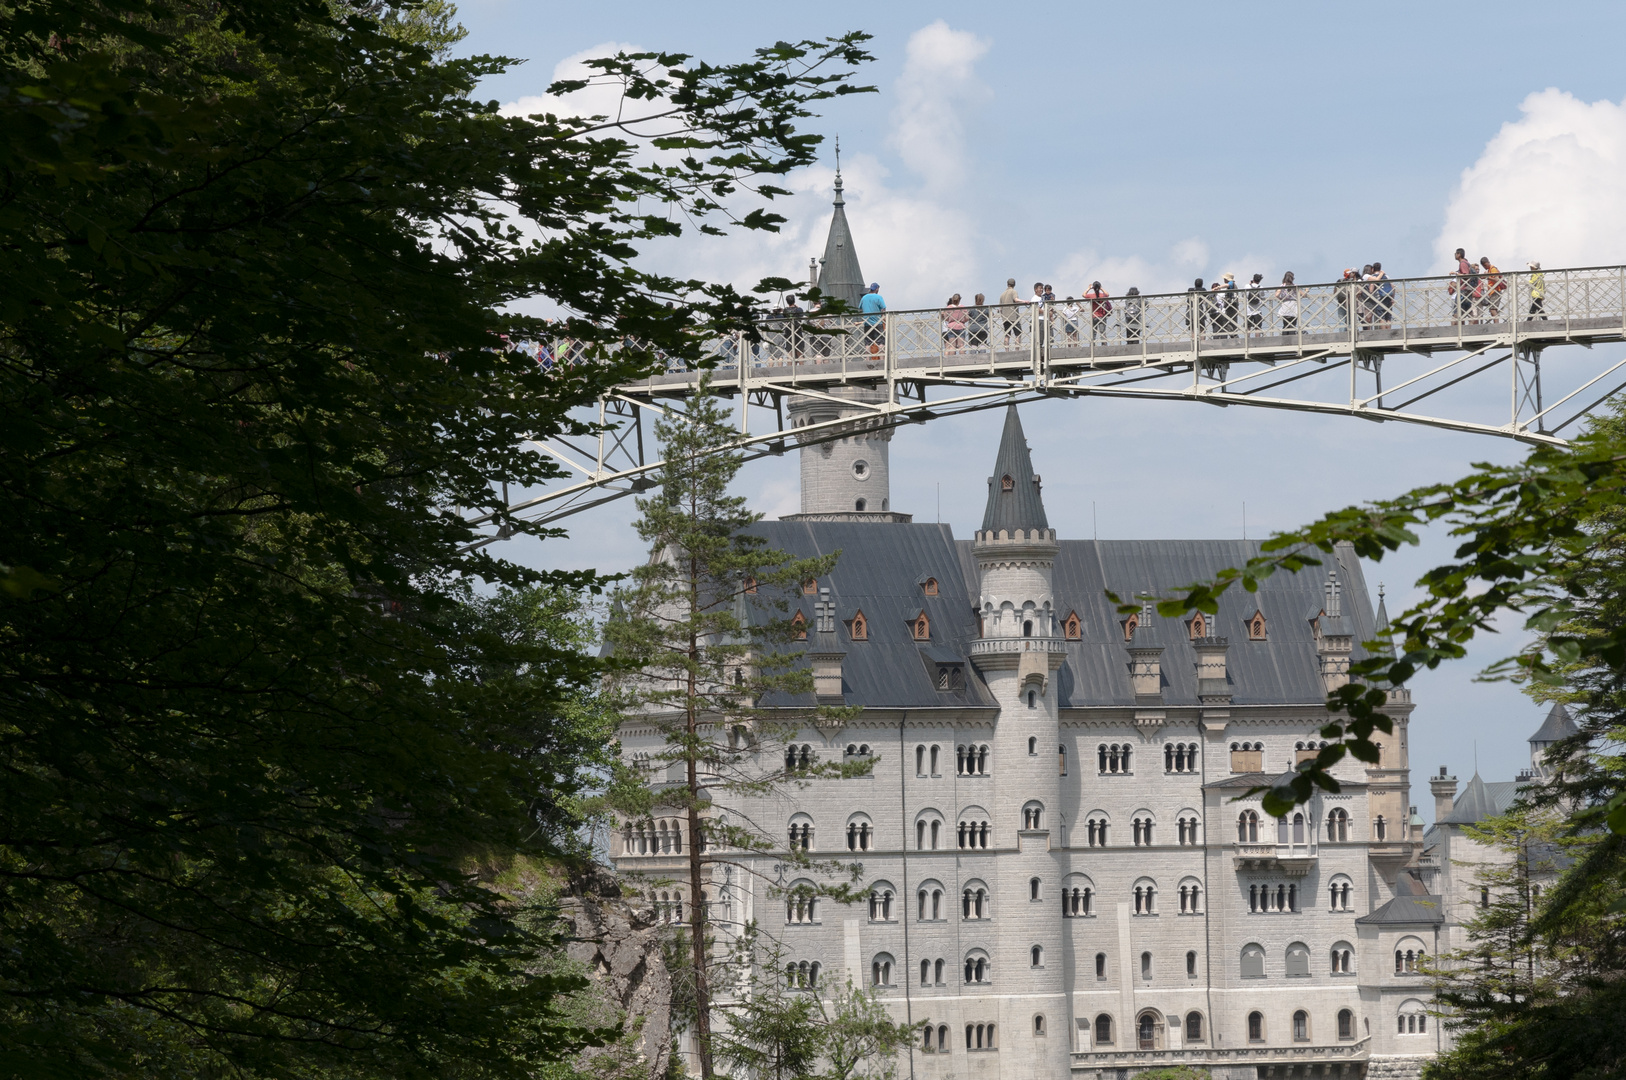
1380,592
839,199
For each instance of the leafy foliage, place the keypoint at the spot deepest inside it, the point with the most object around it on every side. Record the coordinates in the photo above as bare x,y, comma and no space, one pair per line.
253,717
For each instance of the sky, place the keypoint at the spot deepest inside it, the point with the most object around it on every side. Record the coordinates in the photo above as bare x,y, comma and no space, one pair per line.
1145,145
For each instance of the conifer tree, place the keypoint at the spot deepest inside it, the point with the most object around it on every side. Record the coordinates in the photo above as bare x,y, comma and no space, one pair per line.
707,655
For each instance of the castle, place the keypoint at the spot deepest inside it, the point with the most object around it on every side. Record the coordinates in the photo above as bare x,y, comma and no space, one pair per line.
1065,874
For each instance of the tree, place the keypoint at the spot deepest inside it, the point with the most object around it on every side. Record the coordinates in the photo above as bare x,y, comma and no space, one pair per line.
255,728
707,657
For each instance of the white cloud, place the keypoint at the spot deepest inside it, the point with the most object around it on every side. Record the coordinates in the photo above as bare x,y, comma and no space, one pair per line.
938,86
1550,186
600,99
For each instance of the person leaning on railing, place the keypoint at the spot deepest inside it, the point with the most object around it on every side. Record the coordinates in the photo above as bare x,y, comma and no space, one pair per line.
1133,315
873,308
953,325
1288,304
976,323
1538,292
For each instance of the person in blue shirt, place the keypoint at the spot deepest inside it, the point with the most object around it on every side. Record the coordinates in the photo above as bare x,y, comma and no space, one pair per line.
872,305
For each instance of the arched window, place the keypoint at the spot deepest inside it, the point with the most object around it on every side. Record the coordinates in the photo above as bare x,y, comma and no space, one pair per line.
1380,828
921,627
1256,627
1191,963
1338,824
1342,956
1194,1027
1191,897
973,830
1256,1027
1033,888
929,897
1077,896
978,969
1027,628
1061,754
971,760
976,901
1298,959
1033,745
801,903
1100,965
858,627
1033,816
801,833
880,902
1103,1030
1096,828
920,760
1141,826
1145,893
1413,1018
860,833
1073,626
1253,962
935,749
1409,956
1338,893
1346,1024
1301,1026
1038,1024
1247,828
937,974
1247,757
1146,965
1036,956
1298,828
1149,1031
880,970
798,623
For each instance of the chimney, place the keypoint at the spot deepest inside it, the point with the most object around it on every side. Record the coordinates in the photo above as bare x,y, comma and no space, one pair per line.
1146,661
1445,794
1334,637
812,273
826,654
1213,688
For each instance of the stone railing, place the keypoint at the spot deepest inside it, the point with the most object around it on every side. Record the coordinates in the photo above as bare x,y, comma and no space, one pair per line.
1012,646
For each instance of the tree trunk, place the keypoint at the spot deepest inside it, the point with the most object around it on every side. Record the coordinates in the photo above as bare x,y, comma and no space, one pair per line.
698,907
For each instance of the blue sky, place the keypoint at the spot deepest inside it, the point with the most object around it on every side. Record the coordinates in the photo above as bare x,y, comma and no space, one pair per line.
1146,144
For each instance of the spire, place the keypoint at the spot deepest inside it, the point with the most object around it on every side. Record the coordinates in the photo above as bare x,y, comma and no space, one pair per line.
1558,725
1474,806
1384,637
1013,490
839,275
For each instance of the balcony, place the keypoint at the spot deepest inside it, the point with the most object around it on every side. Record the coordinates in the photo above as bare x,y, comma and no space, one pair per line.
1334,1059
1294,860
1013,646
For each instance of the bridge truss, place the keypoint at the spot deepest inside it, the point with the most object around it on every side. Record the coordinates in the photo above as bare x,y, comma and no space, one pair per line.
1463,354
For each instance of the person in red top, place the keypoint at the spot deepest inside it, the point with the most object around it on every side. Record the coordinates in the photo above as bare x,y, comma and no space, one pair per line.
1100,308
1464,288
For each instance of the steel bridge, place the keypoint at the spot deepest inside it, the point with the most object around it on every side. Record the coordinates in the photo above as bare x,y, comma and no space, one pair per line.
1460,353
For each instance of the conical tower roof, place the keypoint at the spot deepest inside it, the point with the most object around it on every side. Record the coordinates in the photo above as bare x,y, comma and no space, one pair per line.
1385,637
1013,490
1474,806
839,275
1558,725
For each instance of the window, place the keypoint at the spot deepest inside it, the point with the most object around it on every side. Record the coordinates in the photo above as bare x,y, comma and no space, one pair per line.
1027,628
858,627
929,586
976,902
1484,896
1113,758
669,907
1033,888
1256,1027
921,627
1180,757
1194,1027
1006,483
973,830
880,970
935,750
1380,828
950,677
801,833
1301,1026
1186,829
880,902
1033,817
1191,897
1338,825
1338,893
978,969
1298,828
1191,963
1409,956
920,761
1033,746
1130,625
1148,1031
1256,627
1038,1025
1298,959
1346,1024
928,830
1307,751
1146,965
1103,1030
1247,757
1253,962
929,901
1100,965
1145,894
984,1037
798,623
802,976
1096,828
801,903
1076,895
1413,1019
1198,626
1142,828
1247,827
971,759
1036,956
799,758
925,973
1072,627
1061,754
862,504
860,833
1342,956
811,586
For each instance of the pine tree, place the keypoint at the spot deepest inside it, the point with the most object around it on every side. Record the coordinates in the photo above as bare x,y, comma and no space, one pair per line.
703,646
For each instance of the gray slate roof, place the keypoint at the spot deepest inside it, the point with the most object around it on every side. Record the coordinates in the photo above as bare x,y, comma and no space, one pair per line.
1480,800
882,565
1558,725
1407,911
1021,507
839,275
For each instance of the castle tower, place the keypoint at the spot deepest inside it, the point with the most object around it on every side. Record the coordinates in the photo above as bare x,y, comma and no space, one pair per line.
1019,651
1558,725
848,478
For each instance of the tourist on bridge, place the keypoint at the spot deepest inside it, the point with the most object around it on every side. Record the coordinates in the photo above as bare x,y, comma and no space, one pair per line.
1385,296
1197,307
1494,284
872,306
792,311
1100,308
1230,303
1538,292
1132,315
1070,311
1467,288
1288,305
1008,301
954,326
1256,304
976,322
1344,291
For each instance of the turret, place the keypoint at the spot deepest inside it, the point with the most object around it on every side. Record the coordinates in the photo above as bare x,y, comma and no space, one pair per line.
1558,726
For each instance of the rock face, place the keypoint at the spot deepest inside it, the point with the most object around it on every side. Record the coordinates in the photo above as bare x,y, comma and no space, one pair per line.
613,935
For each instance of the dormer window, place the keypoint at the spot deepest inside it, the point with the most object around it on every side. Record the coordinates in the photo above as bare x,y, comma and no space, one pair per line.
929,586
810,587
1256,627
858,627
921,626
1131,624
751,585
950,677
1199,626
1073,626
1006,483
798,623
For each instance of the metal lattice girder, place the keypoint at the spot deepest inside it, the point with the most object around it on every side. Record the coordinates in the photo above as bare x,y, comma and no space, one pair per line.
1376,349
